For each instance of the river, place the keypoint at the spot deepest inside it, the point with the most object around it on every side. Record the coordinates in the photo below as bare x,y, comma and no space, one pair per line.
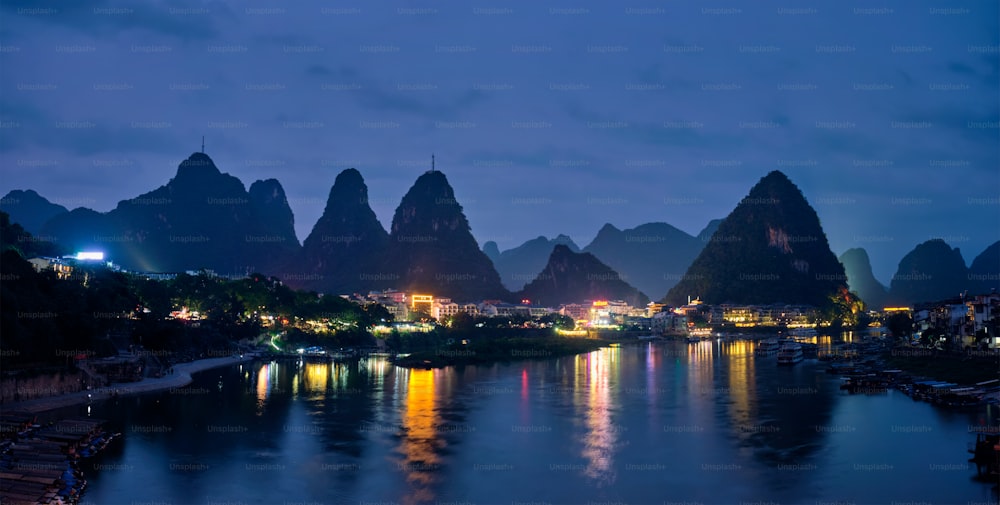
652,423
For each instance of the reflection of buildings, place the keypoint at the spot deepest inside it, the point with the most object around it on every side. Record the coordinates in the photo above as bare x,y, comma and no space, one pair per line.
263,386
598,368
317,377
701,361
742,386
420,442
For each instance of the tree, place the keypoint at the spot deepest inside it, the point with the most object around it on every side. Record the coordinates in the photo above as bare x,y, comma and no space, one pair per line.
421,315
900,325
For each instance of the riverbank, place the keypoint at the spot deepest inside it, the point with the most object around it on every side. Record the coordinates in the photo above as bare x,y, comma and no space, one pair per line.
501,350
939,366
179,377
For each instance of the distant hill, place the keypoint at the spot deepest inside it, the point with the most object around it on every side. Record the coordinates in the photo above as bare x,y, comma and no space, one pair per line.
932,271
431,248
653,257
13,236
769,249
343,252
29,209
202,218
706,233
984,273
861,280
519,265
571,277
492,251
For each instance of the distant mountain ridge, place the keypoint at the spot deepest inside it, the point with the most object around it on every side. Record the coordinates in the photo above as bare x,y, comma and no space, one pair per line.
519,265
572,277
29,209
653,257
204,218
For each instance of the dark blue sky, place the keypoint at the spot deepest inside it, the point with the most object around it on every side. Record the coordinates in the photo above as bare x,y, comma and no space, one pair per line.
546,117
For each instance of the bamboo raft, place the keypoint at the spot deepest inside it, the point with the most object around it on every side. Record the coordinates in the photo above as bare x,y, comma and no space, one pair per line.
39,465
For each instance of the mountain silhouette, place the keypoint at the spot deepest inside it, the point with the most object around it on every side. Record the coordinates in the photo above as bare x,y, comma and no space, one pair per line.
653,257
932,271
860,279
431,248
984,273
202,218
571,277
343,252
29,209
706,233
769,249
519,265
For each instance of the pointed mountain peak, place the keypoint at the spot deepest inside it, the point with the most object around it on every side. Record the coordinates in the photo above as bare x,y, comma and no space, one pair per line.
349,190
432,249
349,177
608,229
430,208
196,166
567,241
571,277
858,254
434,183
492,251
858,269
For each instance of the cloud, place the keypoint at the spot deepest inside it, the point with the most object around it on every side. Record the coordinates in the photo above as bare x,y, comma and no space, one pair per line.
426,100
185,19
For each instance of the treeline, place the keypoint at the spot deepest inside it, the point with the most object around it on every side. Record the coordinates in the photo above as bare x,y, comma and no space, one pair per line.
47,320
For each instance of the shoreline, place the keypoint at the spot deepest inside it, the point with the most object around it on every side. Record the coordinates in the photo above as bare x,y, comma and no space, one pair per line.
501,351
181,376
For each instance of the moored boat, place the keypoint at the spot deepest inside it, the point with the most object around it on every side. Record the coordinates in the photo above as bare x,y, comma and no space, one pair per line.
790,353
767,347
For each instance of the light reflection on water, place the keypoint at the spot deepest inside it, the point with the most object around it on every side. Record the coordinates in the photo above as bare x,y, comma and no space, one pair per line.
643,423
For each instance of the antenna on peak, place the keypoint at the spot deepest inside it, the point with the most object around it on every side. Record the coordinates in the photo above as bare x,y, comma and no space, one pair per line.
432,162
202,144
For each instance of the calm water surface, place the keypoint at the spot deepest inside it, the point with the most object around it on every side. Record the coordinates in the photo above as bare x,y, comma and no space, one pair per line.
652,423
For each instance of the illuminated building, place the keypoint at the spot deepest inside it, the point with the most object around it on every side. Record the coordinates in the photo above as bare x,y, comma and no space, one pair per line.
600,314
61,268
422,302
653,308
576,311
443,308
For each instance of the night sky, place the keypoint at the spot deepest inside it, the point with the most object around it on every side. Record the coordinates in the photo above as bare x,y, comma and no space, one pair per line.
547,118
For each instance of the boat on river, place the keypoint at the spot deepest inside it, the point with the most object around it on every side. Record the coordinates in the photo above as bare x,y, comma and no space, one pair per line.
767,347
790,353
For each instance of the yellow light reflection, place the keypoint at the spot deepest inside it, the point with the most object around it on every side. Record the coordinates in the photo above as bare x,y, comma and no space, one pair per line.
317,377
420,441
601,437
742,387
263,386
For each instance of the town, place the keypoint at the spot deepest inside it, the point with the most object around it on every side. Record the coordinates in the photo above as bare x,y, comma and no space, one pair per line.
963,322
